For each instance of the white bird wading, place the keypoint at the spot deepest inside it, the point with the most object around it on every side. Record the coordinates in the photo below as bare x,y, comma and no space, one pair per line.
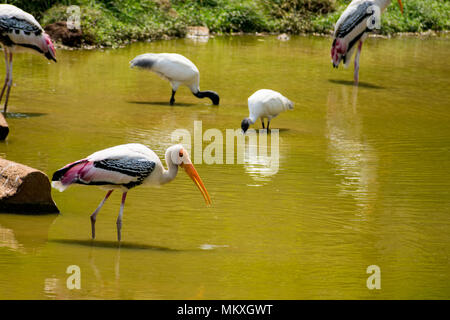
265,104
352,28
20,31
124,167
178,70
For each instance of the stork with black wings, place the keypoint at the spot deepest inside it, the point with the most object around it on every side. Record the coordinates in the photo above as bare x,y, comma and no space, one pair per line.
352,28
19,31
124,167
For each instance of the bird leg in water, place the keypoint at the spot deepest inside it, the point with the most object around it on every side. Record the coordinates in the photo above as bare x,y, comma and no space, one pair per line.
5,51
8,78
268,122
358,53
119,218
94,215
10,65
262,122
172,99
9,82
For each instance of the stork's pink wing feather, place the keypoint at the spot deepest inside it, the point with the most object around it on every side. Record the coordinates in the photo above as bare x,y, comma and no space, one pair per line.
102,173
70,173
76,172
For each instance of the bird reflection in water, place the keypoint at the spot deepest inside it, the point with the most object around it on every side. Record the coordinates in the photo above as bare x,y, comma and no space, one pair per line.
261,160
8,240
354,158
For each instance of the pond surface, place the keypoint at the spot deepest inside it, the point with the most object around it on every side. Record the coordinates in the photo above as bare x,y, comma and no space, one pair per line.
362,176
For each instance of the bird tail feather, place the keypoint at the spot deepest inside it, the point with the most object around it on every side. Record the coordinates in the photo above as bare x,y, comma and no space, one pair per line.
59,186
69,174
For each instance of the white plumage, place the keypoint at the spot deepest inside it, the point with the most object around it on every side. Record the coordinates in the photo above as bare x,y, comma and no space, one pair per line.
265,104
177,69
171,66
19,31
352,28
124,167
125,151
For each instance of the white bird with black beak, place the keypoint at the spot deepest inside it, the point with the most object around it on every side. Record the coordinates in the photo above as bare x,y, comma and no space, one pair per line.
20,31
176,68
352,28
124,167
265,104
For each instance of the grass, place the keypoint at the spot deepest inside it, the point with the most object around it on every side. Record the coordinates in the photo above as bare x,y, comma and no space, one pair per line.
116,22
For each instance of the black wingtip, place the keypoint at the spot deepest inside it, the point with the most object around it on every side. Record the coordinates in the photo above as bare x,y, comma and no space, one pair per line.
49,56
57,175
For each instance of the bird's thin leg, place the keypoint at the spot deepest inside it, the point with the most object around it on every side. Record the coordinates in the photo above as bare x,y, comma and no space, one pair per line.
358,53
7,72
9,81
268,123
119,218
94,215
262,122
172,99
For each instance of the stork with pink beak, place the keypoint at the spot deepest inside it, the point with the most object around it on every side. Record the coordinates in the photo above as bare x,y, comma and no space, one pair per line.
19,31
124,167
353,27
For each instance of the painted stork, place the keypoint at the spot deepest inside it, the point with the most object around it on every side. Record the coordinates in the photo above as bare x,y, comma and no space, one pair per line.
20,31
178,70
124,167
265,103
353,27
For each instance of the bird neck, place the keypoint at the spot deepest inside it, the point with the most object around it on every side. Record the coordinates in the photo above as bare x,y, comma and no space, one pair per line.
213,96
171,172
252,118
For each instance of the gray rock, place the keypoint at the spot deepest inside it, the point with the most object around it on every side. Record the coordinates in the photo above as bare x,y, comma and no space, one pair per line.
24,190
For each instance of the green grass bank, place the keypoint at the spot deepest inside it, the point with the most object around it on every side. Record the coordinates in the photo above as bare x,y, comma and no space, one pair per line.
117,22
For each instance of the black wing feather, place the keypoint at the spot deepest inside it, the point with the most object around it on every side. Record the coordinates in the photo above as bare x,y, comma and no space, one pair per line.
8,24
139,168
354,19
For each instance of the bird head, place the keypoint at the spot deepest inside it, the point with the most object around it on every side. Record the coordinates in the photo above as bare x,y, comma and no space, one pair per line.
180,157
245,124
214,98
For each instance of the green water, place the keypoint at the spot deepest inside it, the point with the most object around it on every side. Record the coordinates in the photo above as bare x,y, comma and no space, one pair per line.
363,175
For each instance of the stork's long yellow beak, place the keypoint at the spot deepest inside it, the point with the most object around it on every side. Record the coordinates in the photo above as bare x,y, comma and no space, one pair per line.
192,173
401,5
